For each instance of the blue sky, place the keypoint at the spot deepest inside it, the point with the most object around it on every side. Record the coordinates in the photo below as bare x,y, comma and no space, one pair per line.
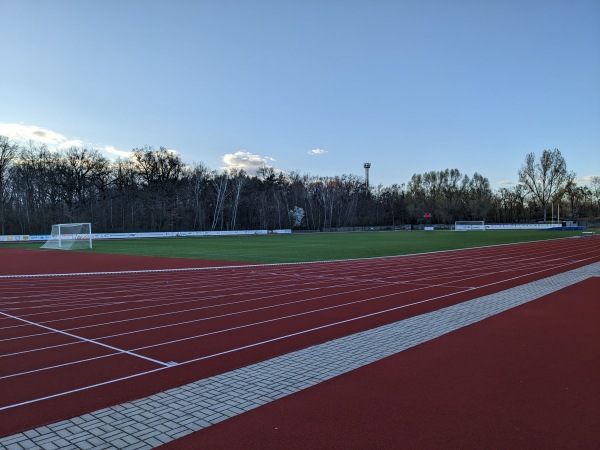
317,87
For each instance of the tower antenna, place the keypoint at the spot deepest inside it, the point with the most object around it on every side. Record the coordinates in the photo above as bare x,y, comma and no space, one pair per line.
367,167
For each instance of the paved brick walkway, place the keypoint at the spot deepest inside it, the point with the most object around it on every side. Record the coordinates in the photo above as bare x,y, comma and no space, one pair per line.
163,417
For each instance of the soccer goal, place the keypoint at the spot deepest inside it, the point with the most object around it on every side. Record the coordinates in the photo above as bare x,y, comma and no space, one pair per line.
70,236
467,225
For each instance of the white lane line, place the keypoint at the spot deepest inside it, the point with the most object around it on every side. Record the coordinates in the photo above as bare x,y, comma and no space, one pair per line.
336,323
251,266
244,311
89,341
312,311
261,322
192,300
60,394
84,388
70,363
460,290
185,293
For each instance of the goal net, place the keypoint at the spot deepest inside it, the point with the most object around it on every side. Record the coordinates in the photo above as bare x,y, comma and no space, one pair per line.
466,225
70,236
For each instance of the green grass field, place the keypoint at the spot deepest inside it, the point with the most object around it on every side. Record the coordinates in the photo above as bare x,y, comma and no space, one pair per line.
313,247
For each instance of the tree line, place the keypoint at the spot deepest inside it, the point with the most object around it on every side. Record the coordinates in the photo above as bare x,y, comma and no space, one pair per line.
155,190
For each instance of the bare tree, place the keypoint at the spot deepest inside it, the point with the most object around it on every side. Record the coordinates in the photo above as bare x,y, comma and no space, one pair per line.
511,204
80,170
160,172
577,198
155,190
198,185
238,177
8,151
545,179
220,183
595,188
480,197
124,188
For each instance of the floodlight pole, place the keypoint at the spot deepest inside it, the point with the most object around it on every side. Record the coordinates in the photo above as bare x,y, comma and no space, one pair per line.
367,166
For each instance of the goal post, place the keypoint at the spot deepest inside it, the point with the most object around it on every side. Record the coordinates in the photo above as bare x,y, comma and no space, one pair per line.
467,225
70,236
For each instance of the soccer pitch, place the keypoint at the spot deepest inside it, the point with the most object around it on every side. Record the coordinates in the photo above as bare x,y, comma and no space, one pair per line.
306,247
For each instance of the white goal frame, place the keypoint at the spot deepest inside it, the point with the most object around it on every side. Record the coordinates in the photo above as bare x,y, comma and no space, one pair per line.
468,225
68,236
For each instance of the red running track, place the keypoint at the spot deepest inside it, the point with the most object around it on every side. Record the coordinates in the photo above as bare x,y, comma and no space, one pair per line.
73,344
14,261
525,378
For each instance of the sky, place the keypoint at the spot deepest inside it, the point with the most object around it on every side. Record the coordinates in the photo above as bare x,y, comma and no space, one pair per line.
318,87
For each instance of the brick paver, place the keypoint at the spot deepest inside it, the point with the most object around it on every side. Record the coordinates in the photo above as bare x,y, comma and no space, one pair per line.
152,421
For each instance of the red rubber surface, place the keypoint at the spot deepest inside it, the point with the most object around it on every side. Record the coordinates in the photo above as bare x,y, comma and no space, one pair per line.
14,261
526,378
248,313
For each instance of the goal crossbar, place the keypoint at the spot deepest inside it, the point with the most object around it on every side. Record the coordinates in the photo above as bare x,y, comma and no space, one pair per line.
467,225
69,236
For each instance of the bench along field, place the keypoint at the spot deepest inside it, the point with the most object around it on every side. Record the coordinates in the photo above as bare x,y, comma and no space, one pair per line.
87,334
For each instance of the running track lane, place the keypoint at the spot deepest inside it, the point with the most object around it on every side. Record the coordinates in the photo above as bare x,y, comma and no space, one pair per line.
525,378
452,276
16,261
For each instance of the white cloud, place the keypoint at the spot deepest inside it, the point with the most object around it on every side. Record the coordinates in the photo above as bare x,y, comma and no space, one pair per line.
19,131
586,179
317,151
249,162
113,151
54,140
507,182
71,143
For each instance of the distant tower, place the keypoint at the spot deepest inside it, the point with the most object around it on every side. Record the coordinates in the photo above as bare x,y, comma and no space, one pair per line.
367,167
